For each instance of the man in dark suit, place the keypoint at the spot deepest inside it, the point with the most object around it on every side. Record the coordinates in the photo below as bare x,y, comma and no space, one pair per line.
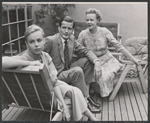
62,47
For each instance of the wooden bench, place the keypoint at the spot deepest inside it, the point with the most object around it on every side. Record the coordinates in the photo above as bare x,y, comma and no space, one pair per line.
122,77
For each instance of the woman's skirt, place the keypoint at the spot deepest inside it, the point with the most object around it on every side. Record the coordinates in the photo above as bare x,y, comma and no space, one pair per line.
110,66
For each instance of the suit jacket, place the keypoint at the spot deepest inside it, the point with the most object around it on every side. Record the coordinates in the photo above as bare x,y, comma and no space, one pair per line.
54,47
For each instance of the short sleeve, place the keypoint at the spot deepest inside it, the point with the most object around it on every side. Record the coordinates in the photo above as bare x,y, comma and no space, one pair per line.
20,58
52,70
80,38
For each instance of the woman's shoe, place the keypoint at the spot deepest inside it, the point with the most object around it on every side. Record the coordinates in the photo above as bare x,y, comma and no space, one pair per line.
93,103
94,109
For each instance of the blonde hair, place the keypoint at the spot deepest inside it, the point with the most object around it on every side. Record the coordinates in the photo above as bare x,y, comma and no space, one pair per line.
94,11
31,29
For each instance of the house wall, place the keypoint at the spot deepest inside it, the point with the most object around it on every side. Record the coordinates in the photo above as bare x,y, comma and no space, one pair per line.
132,17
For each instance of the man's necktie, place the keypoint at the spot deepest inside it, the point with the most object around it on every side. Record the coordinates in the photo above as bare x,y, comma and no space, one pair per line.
66,56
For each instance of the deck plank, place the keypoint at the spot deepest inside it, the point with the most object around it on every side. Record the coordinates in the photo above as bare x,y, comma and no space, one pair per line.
10,115
6,113
117,108
139,102
23,114
134,103
105,109
29,115
143,96
94,97
146,95
3,110
35,115
41,116
122,105
14,118
99,100
128,103
47,117
111,111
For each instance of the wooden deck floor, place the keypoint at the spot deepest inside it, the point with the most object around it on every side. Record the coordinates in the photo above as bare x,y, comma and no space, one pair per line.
130,104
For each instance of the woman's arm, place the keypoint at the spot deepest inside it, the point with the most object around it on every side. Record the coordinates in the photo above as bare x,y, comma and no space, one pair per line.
129,55
53,76
58,93
10,62
119,46
80,38
112,40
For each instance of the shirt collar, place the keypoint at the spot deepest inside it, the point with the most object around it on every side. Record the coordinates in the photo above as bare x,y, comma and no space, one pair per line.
63,40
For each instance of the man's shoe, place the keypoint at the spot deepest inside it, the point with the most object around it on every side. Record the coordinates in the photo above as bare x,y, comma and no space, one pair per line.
91,91
93,103
94,109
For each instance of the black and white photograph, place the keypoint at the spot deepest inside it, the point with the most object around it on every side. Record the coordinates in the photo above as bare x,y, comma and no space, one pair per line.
74,61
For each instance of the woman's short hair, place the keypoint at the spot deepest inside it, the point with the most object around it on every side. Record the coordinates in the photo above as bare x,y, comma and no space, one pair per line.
67,19
94,11
31,29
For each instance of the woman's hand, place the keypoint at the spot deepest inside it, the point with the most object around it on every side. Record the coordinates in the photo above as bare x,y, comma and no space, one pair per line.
136,61
66,114
36,63
97,70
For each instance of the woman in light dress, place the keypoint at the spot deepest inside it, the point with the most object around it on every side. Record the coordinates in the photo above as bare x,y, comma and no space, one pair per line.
96,39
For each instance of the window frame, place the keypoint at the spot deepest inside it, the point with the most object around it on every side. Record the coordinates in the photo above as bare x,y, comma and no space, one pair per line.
26,21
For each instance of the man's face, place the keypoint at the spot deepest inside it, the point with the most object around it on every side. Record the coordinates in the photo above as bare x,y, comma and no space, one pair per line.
35,42
66,29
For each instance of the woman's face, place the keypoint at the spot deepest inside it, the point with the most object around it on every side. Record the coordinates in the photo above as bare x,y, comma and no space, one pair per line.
35,42
91,21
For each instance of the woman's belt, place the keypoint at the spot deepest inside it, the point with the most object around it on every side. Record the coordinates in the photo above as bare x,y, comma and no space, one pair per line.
100,53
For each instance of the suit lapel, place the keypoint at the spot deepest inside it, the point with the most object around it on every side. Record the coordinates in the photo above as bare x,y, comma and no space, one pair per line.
60,45
70,46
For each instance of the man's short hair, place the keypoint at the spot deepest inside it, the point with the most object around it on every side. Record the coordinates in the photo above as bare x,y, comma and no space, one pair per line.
31,29
67,19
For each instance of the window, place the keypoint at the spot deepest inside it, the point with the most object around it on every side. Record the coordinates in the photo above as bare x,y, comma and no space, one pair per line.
15,19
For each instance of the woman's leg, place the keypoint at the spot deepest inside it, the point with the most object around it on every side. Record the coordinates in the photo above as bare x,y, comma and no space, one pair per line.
69,95
90,115
87,112
88,70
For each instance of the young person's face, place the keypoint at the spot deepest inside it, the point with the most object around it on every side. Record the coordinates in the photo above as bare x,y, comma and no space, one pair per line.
35,42
66,29
91,20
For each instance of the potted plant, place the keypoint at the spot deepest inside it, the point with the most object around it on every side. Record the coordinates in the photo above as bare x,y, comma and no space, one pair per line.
56,11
